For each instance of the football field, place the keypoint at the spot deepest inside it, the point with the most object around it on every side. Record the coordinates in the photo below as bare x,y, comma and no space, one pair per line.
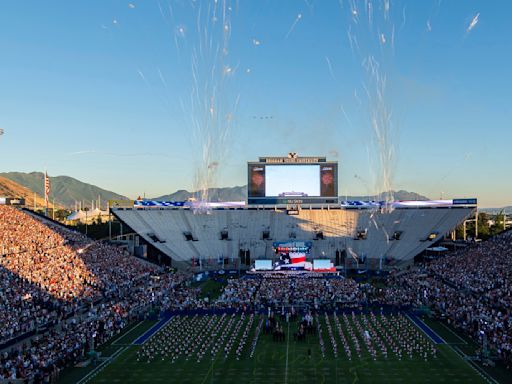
236,349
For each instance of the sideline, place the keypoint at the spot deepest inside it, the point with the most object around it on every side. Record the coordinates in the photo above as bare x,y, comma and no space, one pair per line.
91,375
453,333
432,335
119,337
484,375
151,331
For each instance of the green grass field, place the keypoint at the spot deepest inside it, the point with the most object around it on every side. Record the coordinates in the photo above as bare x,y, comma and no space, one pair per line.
280,362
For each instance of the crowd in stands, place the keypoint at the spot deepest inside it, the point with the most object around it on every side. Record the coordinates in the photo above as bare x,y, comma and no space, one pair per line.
315,291
281,290
471,288
78,291
239,292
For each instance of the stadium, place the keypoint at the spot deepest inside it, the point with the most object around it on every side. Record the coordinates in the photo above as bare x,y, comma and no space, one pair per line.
373,235
224,191
281,289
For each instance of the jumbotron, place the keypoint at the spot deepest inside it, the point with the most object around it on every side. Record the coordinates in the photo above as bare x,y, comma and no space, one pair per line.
292,219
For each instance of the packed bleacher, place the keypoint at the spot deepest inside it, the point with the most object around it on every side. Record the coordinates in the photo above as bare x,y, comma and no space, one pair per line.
315,291
75,290
54,279
471,289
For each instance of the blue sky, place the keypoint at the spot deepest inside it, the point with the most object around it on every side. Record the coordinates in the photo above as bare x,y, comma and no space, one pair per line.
101,91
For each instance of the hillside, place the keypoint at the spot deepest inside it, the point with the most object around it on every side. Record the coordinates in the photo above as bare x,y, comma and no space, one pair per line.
494,211
65,189
397,195
9,188
240,193
215,194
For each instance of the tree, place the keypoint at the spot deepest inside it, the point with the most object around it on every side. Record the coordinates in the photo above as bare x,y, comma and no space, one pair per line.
497,227
484,231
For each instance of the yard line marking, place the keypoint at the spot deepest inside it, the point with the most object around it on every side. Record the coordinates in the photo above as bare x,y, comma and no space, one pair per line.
146,336
102,366
420,327
287,348
124,334
473,365
209,370
458,337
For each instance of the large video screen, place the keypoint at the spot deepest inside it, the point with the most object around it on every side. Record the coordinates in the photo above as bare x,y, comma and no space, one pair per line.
321,264
263,265
292,181
295,181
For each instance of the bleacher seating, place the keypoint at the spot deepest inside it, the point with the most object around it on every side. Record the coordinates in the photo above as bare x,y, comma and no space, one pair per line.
245,227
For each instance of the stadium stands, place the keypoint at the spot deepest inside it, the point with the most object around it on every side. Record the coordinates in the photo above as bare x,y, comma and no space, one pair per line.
248,227
53,278
75,290
471,288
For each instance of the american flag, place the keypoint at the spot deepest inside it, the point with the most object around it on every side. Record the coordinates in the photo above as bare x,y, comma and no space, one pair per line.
293,258
46,188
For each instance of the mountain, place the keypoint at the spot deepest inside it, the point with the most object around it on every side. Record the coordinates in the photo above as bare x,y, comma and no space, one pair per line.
494,211
240,194
215,194
396,195
66,190
9,188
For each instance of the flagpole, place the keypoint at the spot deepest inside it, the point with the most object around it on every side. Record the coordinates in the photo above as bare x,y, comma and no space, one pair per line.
46,193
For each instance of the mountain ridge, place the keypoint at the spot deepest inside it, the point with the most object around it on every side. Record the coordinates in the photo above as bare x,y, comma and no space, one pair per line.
239,193
66,190
11,189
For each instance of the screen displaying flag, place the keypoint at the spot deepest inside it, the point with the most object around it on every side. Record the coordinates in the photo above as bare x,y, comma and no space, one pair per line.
46,188
292,255
292,261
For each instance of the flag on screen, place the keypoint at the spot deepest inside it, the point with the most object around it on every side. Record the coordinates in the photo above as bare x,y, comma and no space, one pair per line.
292,258
46,188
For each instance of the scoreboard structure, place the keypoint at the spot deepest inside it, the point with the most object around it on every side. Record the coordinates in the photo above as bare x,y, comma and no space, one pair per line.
292,180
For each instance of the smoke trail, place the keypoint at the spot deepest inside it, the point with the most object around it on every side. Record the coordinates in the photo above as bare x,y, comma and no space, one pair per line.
353,11
162,78
142,77
345,115
212,106
386,9
369,11
375,47
403,18
297,19
473,23
352,253
329,65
